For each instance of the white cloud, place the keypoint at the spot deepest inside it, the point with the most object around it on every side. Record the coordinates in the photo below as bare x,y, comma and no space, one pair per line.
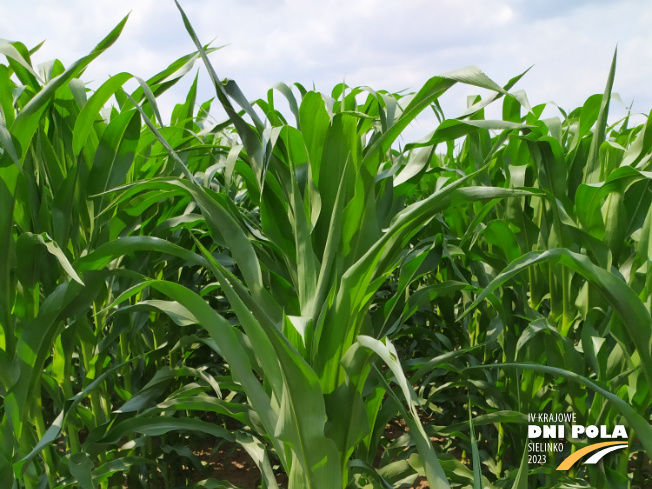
385,44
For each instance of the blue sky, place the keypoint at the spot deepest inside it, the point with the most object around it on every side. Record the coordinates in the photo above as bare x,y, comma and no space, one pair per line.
388,44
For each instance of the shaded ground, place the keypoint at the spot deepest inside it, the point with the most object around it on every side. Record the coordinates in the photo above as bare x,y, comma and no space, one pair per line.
233,464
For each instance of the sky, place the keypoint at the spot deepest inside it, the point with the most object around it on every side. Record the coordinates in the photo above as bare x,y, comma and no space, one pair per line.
386,44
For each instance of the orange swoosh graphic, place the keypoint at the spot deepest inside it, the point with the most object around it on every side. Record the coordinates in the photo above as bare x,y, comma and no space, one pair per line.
568,462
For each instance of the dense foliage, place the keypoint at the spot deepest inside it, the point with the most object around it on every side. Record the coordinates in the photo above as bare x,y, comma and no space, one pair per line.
298,284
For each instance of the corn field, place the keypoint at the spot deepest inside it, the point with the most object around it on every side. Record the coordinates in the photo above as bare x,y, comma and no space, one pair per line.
303,287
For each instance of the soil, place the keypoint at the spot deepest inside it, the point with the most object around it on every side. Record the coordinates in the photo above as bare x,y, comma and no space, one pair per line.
642,471
233,464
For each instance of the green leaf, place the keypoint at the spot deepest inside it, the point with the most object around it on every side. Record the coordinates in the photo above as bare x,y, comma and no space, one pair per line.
161,425
81,467
592,170
53,248
640,426
27,120
477,469
387,352
618,294
302,414
90,111
521,481
115,153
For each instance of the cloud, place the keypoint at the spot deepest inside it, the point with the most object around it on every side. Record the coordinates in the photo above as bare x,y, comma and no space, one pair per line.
386,44
530,10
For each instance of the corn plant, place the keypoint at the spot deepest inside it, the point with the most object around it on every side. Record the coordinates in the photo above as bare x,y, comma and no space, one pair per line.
581,309
61,352
293,282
